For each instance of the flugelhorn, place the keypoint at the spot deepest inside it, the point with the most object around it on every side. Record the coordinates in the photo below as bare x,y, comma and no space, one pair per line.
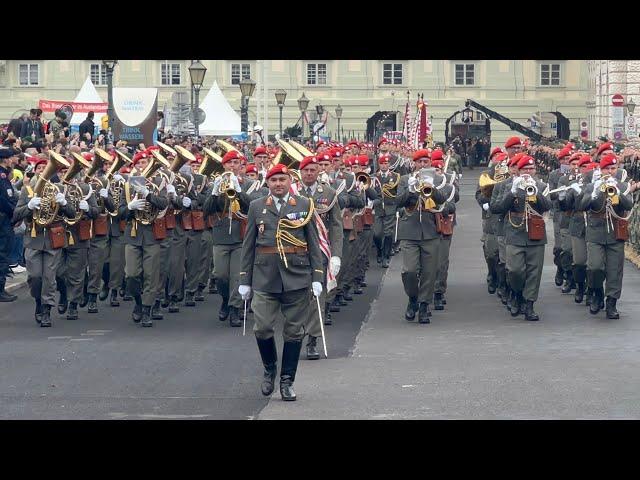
45,189
364,178
211,164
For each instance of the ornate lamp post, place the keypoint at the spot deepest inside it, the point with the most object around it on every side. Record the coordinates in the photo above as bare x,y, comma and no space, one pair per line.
247,87
110,65
281,95
197,71
303,103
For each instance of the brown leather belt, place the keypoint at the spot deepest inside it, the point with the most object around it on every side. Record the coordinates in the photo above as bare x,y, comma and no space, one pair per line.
273,250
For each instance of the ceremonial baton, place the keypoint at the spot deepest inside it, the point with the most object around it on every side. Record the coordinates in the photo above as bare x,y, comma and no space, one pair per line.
397,220
324,339
244,322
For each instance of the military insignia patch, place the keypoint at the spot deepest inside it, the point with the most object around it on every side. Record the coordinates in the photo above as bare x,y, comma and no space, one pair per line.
261,228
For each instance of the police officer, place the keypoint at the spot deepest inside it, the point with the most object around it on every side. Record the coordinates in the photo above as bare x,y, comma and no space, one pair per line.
280,274
525,235
326,203
8,203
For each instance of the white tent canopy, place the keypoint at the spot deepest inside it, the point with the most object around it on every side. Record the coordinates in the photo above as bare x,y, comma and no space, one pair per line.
221,119
87,94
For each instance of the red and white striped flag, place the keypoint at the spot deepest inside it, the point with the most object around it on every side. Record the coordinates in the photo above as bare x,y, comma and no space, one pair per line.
407,122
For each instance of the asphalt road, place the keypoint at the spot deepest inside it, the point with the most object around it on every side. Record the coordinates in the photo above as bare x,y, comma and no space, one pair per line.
103,366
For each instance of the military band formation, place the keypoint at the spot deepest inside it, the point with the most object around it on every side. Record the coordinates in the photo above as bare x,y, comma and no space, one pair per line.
289,233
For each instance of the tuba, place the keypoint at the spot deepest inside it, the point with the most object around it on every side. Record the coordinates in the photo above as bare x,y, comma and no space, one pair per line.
301,148
223,147
73,192
149,213
116,188
181,182
288,155
97,183
211,164
45,189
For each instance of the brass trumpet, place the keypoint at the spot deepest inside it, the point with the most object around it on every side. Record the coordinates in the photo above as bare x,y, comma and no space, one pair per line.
364,178
226,186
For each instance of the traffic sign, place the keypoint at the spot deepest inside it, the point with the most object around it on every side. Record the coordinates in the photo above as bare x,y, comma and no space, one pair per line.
617,100
198,116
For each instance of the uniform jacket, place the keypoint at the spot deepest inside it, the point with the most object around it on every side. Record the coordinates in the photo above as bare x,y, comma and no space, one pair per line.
415,225
386,206
144,233
596,229
322,197
266,272
74,230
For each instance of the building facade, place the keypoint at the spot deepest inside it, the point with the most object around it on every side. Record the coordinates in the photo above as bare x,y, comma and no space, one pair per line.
606,79
516,89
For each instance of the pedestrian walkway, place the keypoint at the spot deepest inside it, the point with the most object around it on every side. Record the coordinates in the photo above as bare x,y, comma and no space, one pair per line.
475,361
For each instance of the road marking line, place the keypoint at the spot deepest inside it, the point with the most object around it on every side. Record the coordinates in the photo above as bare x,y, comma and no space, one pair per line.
81,339
93,333
99,331
58,338
151,415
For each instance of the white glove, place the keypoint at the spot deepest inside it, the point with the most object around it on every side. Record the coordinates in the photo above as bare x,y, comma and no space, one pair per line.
171,190
144,191
596,175
216,187
334,265
244,291
104,193
186,202
317,288
34,203
576,188
562,195
516,183
597,184
60,199
83,205
485,207
236,184
460,176
412,181
118,178
596,191
137,204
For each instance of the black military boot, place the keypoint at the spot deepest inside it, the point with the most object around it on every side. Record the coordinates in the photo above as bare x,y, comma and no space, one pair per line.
559,278
357,290
188,300
412,308
290,356
363,284
327,315
114,298
46,316
437,301
340,300
199,296
72,314
596,300
529,314
136,315
509,301
7,297
234,318
444,298
104,292
588,296
63,303
85,300
346,295
38,314
212,286
164,303
515,304
146,316
312,351
612,312
126,297
269,356
173,305
93,305
379,256
424,313
569,283
156,311
334,306
223,314
579,295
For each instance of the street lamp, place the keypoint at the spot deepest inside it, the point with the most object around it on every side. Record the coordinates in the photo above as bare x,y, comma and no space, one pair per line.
303,103
281,95
339,116
247,86
110,65
197,71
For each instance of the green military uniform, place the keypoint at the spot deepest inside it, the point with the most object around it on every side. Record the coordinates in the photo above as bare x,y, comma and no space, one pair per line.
178,244
193,270
503,290
577,228
385,215
554,179
605,251
489,239
325,200
445,243
42,260
566,250
364,241
525,257
280,288
420,245
142,254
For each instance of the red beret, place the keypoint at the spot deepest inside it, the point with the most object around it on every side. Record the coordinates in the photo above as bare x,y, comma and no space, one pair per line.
436,155
382,140
320,143
608,159
564,153
348,161
280,168
494,151
584,159
362,160
605,146
87,156
323,157
592,166
307,161
512,142
230,155
514,160
437,163
260,151
251,168
42,160
335,152
421,153
138,156
500,157
525,161
353,142
384,159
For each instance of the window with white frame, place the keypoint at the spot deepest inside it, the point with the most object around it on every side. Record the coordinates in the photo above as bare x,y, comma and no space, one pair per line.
550,74
465,74
98,74
316,73
28,74
392,74
170,73
240,71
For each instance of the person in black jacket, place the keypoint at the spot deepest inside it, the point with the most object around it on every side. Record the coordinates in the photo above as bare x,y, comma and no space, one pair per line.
87,127
32,127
